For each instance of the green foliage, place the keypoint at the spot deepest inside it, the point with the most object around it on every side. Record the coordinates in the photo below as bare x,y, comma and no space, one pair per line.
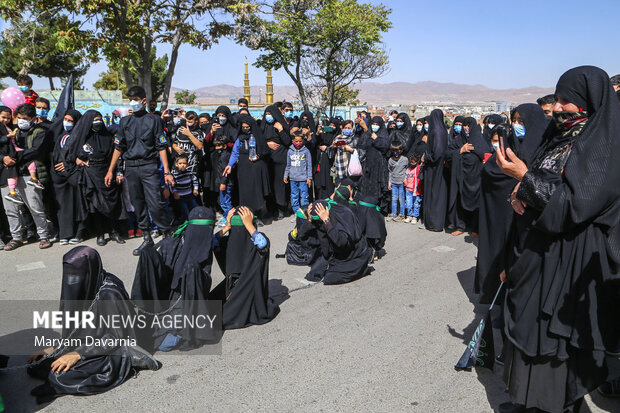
29,46
343,96
184,97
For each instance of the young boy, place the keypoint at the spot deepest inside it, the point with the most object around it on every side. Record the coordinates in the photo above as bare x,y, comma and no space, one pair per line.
9,147
185,189
413,186
397,167
220,158
299,170
24,83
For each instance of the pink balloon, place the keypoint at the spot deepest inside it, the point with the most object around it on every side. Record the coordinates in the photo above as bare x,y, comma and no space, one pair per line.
12,97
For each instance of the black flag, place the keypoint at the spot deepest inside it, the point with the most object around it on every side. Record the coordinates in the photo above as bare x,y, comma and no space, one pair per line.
66,101
480,349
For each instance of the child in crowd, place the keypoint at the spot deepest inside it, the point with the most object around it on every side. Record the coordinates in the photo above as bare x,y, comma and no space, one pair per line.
220,157
189,140
185,189
397,167
24,83
299,172
413,187
8,147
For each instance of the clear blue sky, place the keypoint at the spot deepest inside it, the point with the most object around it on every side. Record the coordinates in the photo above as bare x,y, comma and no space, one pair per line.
496,43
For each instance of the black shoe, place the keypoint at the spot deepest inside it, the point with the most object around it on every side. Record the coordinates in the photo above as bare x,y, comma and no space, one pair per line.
101,240
115,236
610,388
510,407
148,242
155,233
500,359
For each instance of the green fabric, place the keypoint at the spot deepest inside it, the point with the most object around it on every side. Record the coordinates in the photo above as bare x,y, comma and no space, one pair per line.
181,228
340,195
236,221
300,214
369,205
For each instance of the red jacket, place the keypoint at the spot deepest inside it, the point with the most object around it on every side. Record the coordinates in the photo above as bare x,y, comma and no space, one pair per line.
414,181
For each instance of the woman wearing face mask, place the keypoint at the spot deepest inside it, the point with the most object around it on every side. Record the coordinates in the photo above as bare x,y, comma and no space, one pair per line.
416,144
489,123
224,125
65,180
276,133
376,146
402,130
341,149
323,182
561,305
248,155
101,203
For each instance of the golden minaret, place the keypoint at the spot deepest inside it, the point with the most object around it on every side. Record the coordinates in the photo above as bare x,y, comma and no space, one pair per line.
269,91
246,84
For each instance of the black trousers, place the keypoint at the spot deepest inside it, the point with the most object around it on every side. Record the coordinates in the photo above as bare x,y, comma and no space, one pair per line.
146,197
64,189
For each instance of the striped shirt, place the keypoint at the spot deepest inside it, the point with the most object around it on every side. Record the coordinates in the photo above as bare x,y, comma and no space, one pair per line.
184,182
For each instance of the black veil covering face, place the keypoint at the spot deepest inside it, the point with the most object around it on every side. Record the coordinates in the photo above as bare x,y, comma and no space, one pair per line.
245,289
496,213
372,223
342,196
303,245
323,182
415,143
435,184
374,180
101,367
252,176
561,306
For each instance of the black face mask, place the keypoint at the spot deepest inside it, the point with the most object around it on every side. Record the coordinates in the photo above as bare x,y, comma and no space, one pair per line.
246,131
204,127
96,127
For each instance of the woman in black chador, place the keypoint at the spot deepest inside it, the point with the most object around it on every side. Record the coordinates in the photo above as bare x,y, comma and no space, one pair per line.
344,252
323,181
243,257
95,145
91,369
276,134
561,305
467,155
435,184
375,144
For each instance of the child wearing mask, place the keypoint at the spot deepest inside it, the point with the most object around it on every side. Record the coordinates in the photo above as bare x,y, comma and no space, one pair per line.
24,83
413,188
341,150
8,147
397,167
299,170
189,140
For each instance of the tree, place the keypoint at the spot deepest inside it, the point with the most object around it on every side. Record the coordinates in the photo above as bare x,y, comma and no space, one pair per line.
319,43
185,98
29,46
343,96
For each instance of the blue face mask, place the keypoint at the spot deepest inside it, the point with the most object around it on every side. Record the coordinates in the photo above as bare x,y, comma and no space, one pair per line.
458,128
136,105
399,124
117,120
269,118
288,114
347,132
68,125
23,88
42,113
375,128
396,154
426,127
519,130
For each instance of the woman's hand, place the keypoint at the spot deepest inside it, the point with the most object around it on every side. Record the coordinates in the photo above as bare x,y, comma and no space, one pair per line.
373,135
322,212
517,205
247,217
64,363
227,170
60,167
8,161
468,147
273,145
215,127
39,354
278,126
348,148
502,276
80,162
323,148
509,163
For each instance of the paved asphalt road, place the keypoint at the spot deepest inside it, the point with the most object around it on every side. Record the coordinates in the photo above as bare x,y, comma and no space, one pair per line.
385,343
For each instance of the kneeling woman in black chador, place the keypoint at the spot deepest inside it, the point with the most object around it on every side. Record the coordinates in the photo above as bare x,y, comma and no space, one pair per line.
303,247
372,223
243,257
344,252
101,203
561,305
90,369
181,270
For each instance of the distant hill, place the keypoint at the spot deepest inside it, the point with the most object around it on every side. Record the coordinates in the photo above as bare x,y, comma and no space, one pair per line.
387,93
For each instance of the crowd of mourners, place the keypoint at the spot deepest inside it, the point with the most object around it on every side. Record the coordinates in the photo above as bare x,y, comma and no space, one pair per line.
537,187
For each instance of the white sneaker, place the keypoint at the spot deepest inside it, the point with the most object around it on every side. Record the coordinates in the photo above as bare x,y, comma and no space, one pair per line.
407,220
414,220
390,217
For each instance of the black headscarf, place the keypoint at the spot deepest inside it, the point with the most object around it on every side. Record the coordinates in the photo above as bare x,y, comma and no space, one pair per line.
453,134
437,137
535,123
230,128
404,133
269,131
261,145
311,122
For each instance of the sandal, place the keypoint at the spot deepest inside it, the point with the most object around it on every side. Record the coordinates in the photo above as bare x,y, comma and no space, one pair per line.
13,244
44,243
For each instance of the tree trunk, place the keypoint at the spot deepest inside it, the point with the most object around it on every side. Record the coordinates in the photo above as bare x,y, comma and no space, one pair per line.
51,83
165,96
128,77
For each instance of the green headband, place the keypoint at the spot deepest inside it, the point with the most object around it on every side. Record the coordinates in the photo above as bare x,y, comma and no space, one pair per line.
329,207
180,230
236,221
340,195
300,214
369,205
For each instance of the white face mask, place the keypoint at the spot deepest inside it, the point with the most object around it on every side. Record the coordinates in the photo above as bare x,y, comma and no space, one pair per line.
495,145
419,128
136,105
491,125
223,120
67,125
24,124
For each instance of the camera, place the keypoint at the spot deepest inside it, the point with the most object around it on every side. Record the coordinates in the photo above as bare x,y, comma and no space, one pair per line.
304,123
174,112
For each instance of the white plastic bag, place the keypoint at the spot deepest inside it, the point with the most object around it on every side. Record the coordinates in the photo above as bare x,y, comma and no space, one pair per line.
355,166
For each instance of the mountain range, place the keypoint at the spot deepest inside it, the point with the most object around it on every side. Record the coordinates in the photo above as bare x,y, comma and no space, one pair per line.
386,93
